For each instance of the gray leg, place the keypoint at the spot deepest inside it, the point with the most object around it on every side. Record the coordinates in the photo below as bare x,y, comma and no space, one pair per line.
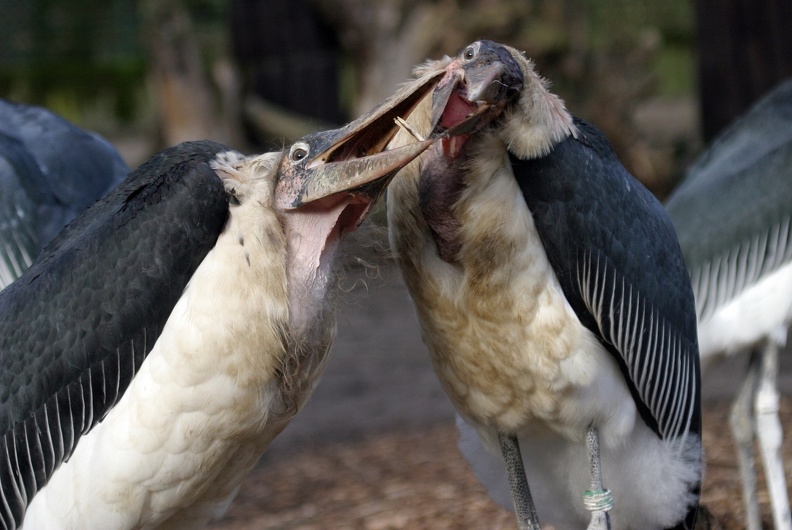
742,426
521,493
597,500
770,436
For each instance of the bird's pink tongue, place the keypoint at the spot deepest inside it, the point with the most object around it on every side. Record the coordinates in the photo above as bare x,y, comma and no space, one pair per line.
456,110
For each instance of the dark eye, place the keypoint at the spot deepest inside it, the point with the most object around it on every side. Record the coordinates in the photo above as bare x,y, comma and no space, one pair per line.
298,152
469,53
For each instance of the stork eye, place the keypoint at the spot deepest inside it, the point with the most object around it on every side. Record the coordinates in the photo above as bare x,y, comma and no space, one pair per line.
298,152
469,53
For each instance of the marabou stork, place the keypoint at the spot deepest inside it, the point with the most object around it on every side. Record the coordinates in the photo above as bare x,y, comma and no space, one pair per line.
50,171
733,214
168,334
554,302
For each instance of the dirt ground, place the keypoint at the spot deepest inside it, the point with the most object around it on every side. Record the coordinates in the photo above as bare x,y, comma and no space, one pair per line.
375,448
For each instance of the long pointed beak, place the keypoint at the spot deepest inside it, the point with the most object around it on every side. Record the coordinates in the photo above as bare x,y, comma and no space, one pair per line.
335,177
354,156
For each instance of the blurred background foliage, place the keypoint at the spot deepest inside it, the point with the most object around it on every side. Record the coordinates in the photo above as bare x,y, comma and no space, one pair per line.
255,73
71,56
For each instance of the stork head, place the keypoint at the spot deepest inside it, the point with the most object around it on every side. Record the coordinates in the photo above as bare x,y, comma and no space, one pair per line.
327,182
478,85
351,164
488,81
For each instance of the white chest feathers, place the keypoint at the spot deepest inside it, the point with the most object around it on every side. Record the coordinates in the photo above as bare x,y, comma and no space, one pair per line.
508,348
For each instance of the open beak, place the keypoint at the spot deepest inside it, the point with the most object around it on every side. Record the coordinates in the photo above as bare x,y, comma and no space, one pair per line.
353,159
475,91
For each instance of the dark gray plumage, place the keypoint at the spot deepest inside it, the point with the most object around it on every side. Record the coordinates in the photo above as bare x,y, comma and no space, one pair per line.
731,201
50,171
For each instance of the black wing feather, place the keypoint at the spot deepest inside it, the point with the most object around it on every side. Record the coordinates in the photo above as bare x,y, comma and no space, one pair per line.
79,323
616,257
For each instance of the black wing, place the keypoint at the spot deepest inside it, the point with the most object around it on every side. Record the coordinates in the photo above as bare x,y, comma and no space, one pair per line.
71,169
76,327
22,188
618,262
733,210
80,166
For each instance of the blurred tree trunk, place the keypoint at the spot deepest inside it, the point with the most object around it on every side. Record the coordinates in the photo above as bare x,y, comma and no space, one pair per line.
745,49
387,38
187,106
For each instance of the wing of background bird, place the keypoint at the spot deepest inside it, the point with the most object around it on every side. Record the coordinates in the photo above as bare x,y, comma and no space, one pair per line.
76,327
732,210
761,130
20,178
78,166
617,260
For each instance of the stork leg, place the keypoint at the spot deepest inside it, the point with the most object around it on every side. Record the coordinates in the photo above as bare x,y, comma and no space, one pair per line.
597,500
742,426
770,436
521,494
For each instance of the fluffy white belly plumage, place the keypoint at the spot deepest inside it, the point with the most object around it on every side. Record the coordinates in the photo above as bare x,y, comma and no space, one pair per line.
164,448
542,371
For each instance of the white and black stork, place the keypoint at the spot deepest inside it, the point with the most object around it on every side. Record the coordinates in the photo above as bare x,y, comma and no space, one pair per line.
554,301
50,171
169,333
733,216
